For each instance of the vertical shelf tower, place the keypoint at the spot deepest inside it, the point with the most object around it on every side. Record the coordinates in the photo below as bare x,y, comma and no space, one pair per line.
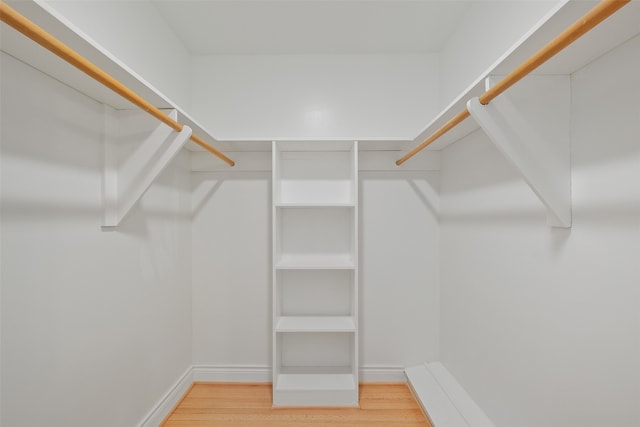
315,273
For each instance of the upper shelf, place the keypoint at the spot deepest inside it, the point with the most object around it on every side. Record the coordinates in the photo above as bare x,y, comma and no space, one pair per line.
615,30
24,49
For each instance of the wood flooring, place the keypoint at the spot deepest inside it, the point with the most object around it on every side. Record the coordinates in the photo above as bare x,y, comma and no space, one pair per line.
233,405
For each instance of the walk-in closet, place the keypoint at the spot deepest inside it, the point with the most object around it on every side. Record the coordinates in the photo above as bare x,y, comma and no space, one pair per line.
376,212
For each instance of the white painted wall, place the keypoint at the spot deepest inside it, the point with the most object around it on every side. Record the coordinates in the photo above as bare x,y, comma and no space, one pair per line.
315,96
96,326
231,246
399,265
232,269
136,33
487,31
541,326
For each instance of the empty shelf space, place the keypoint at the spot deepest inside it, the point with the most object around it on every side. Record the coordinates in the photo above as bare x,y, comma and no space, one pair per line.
315,324
315,262
312,195
315,177
314,292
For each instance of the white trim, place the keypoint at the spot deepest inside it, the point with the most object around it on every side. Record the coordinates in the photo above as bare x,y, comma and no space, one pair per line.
382,374
262,373
168,401
232,373
260,161
443,398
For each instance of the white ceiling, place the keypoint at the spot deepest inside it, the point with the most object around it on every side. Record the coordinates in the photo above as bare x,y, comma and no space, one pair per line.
312,26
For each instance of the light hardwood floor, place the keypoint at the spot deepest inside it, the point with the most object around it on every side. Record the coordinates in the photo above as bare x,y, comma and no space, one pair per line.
227,405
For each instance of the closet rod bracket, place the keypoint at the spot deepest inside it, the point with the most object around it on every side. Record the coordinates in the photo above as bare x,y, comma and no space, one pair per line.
136,151
530,126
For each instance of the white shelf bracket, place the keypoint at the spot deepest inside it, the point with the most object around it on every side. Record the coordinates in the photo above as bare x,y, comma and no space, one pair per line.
531,125
137,148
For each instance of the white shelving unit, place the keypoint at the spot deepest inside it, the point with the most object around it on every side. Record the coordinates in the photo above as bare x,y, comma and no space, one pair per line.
315,273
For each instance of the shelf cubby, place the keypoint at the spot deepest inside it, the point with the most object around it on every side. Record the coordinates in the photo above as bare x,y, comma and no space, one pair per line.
311,372
315,293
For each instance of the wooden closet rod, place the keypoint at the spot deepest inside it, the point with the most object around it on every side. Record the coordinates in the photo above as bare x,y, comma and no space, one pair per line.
22,24
599,13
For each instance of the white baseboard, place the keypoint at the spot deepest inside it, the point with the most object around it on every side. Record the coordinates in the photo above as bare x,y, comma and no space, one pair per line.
251,374
168,401
232,373
382,374
443,398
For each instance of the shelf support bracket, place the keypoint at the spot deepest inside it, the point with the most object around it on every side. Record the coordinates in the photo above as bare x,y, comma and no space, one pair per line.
530,126
136,151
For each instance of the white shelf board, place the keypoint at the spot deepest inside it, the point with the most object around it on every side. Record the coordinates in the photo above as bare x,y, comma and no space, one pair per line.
615,30
315,324
19,46
446,402
315,262
321,381
433,399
